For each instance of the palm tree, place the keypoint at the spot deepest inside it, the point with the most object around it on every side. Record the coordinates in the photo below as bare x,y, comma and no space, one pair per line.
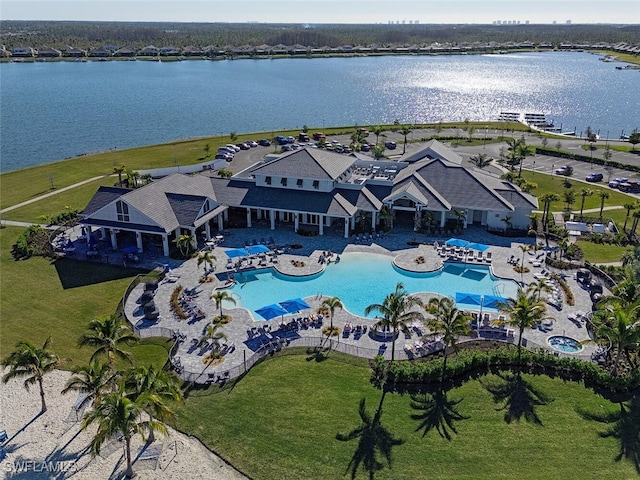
481,160
460,217
206,258
539,286
524,249
161,386
628,207
107,335
507,222
94,379
361,218
634,225
569,197
31,363
584,193
377,151
386,214
395,313
404,131
184,244
547,199
522,312
331,304
119,169
621,328
603,194
448,321
221,296
211,333
118,415
377,131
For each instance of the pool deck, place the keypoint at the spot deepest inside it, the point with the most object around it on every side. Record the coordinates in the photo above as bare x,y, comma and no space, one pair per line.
246,334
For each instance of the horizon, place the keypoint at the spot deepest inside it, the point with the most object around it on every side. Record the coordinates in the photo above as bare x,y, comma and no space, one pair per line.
322,12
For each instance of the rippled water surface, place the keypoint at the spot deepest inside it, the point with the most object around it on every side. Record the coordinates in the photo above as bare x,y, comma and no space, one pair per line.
51,111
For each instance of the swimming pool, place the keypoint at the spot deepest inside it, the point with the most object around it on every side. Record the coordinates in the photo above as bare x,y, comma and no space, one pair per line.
360,279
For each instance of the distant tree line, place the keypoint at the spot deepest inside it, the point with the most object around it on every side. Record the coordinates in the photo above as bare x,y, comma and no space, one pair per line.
38,34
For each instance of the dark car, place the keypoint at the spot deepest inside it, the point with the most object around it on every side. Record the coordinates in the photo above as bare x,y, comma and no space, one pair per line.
615,183
365,147
318,135
390,145
630,187
264,142
594,177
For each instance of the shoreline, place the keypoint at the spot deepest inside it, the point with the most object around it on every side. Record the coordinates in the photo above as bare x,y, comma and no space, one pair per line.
354,54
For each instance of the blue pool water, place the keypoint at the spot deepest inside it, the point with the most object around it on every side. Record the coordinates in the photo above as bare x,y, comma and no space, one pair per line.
565,344
360,279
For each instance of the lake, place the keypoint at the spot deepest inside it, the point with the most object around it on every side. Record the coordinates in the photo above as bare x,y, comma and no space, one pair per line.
57,110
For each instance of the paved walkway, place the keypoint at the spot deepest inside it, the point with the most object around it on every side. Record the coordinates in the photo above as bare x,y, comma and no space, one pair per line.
246,334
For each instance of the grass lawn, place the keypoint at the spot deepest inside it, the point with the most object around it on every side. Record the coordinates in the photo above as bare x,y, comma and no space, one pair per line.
41,298
555,184
76,198
599,253
281,421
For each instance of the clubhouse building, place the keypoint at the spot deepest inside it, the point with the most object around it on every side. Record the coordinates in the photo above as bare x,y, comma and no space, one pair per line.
311,190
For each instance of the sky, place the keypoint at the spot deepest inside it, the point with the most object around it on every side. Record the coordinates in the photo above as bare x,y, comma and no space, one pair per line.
327,11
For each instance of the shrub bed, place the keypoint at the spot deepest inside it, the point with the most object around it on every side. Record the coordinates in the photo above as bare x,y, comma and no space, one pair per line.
400,375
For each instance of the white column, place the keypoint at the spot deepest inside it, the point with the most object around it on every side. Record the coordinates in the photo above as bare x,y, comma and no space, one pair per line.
352,221
346,228
165,244
321,225
443,218
466,218
220,221
373,221
139,241
207,228
259,214
102,232
225,214
272,217
248,218
296,221
114,239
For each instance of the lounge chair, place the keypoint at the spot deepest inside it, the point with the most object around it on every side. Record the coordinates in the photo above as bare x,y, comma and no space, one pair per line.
488,257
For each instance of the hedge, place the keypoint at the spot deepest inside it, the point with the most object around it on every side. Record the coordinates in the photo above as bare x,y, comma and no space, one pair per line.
400,375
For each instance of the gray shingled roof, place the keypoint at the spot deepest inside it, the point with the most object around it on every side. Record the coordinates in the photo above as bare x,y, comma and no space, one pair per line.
185,207
103,197
434,150
308,163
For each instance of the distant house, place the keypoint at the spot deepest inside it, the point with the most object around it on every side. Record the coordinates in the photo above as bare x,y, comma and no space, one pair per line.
100,52
48,52
23,52
149,51
74,52
312,189
191,51
169,51
124,52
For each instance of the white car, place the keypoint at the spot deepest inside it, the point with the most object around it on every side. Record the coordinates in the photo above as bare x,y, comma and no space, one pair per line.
232,146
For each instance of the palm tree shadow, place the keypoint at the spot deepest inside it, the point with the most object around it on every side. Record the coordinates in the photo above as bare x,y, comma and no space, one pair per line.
519,398
437,411
374,441
624,426
24,427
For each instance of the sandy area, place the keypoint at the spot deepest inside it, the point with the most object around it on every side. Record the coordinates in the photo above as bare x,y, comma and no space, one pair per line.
53,446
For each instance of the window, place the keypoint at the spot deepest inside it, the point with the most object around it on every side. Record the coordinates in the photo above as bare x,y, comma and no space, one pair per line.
316,184
299,183
283,182
123,211
267,180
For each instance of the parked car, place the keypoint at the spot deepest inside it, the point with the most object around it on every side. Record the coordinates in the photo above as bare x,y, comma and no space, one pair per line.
264,142
615,183
287,148
303,137
564,170
390,145
232,146
365,147
594,177
228,150
290,139
318,135
243,146
280,140
251,143
224,156
630,187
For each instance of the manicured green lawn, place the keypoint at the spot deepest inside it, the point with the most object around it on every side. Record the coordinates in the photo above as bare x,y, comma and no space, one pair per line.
600,253
40,298
281,421
76,198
